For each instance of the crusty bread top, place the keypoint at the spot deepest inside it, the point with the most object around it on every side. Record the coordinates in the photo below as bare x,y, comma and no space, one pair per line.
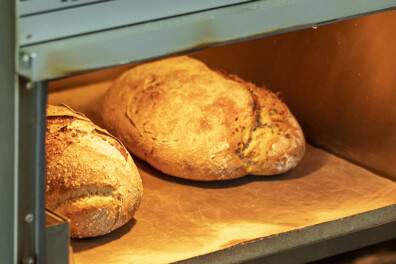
192,122
67,128
91,178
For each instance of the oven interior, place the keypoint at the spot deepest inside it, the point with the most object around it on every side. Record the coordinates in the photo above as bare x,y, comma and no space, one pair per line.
339,81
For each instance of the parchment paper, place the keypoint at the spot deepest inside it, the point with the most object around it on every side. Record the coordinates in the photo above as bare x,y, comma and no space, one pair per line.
180,219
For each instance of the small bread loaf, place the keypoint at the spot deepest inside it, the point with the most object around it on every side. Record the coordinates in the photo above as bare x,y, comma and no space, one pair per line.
192,122
91,178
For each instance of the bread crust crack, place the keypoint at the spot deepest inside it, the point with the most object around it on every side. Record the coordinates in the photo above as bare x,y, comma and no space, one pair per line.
83,192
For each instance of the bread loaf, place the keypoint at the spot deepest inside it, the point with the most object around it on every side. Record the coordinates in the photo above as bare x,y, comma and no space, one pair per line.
195,123
91,178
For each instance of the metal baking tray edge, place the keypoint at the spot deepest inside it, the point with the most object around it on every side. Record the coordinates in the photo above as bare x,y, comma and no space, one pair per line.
312,242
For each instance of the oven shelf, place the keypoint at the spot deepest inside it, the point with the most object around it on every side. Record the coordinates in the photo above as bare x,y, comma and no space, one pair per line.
325,206
180,34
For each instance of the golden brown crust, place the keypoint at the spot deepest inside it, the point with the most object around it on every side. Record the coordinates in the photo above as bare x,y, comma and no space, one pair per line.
192,122
91,178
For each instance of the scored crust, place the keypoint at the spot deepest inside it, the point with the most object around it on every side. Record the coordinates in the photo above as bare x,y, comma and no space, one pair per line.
91,178
195,123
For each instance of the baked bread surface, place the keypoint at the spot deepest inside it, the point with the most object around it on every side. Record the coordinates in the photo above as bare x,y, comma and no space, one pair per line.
91,178
192,122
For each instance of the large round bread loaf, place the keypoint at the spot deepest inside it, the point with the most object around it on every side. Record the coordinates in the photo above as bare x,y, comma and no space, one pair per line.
195,123
91,178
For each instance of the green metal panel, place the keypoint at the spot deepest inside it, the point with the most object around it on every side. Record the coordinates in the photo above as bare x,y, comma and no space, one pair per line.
100,15
22,159
8,201
186,33
57,237
31,171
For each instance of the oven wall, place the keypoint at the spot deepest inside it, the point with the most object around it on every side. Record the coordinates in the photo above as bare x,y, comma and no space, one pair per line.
339,80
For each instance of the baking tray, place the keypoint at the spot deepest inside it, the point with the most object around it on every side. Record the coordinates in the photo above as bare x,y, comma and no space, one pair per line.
325,206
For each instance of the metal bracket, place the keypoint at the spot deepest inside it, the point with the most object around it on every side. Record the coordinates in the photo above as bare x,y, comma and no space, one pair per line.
26,64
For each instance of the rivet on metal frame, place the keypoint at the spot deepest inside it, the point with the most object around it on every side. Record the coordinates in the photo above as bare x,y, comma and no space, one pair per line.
28,260
25,58
29,85
29,218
